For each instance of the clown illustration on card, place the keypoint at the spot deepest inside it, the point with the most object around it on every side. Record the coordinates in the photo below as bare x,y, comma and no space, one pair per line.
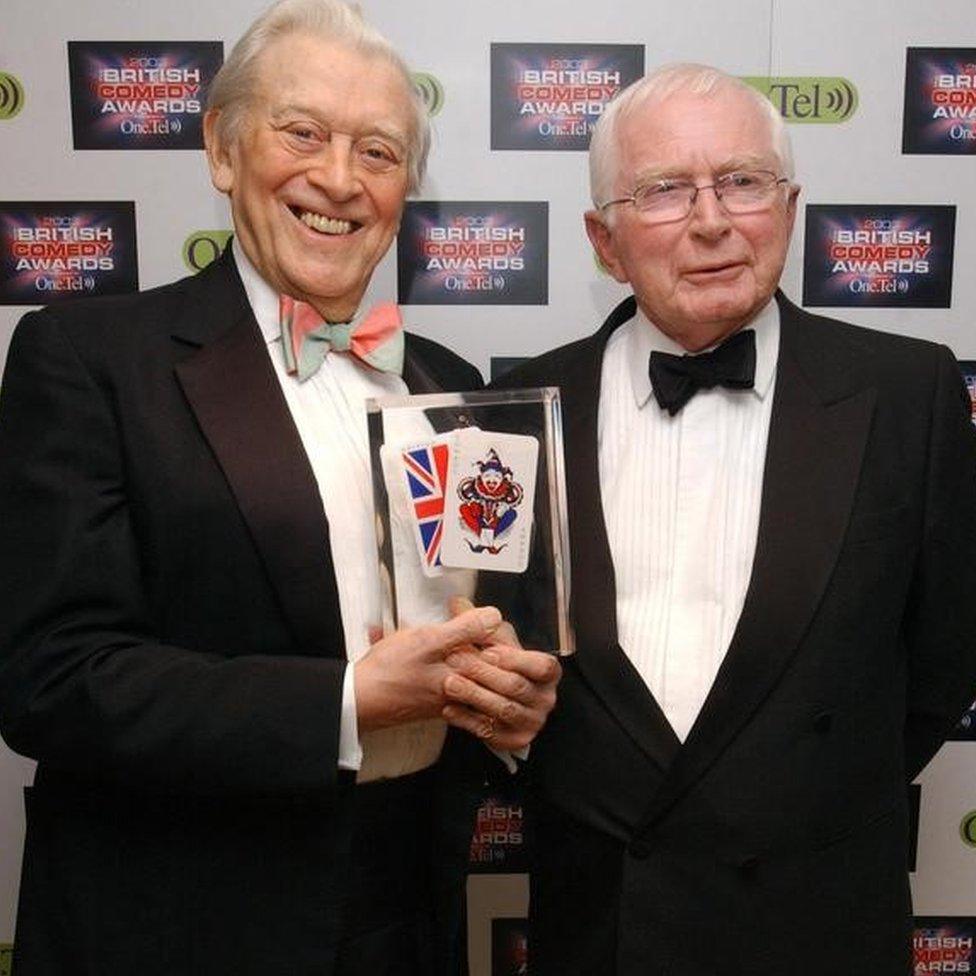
488,500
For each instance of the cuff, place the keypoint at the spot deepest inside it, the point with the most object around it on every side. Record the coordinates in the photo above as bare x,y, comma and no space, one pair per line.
350,751
508,757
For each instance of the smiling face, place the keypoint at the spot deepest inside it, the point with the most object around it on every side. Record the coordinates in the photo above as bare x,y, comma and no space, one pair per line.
318,175
700,278
492,478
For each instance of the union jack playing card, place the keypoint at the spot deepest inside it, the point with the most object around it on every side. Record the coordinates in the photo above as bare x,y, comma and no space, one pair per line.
425,472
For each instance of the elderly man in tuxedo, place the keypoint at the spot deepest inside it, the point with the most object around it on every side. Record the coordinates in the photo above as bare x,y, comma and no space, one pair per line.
235,773
773,527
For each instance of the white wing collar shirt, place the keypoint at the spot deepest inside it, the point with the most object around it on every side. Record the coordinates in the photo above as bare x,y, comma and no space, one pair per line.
681,498
329,412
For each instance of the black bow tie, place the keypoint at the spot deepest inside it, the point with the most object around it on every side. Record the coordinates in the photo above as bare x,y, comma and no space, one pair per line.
676,379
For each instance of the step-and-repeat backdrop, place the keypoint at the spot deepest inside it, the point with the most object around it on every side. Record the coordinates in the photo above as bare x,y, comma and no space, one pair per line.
104,189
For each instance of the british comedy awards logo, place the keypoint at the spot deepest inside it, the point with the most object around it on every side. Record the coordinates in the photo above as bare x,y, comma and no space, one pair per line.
473,253
809,100
50,252
140,94
968,369
881,256
943,945
549,96
940,101
498,843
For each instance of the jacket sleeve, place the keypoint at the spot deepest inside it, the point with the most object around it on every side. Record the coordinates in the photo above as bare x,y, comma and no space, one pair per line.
85,684
940,621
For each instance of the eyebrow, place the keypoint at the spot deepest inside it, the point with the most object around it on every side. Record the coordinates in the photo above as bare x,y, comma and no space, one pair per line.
382,129
653,174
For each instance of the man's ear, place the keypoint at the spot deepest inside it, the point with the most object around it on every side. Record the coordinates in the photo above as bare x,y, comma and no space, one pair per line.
218,154
791,204
601,237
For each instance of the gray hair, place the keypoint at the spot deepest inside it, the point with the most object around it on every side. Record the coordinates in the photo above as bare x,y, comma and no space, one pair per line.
333,20
673,79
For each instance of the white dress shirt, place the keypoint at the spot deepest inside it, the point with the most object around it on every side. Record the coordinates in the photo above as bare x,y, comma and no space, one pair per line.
681,499
329,412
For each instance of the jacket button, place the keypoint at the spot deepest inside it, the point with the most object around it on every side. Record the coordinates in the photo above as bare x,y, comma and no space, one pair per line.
640,850
823,722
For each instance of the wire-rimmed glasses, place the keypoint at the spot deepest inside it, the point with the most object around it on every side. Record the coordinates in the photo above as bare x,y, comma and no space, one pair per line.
741,192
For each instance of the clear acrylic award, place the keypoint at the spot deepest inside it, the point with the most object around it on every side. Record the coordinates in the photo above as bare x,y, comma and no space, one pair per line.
469,492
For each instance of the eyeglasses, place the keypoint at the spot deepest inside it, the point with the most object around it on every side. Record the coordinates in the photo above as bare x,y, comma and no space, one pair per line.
741,192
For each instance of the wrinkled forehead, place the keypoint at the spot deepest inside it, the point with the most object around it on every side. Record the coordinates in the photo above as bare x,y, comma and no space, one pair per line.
302,62
685,131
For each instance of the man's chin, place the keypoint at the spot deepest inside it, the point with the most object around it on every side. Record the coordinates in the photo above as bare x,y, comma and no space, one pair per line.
705,322
327,287
722,306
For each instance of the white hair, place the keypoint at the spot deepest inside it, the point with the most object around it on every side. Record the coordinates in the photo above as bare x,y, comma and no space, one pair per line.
668,80
233,88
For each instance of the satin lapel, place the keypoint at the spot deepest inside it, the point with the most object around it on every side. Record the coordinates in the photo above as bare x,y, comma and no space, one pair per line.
817,436
232,390
415,375
599,658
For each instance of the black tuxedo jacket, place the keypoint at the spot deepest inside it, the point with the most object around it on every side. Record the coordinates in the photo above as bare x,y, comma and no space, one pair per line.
172,649
773,840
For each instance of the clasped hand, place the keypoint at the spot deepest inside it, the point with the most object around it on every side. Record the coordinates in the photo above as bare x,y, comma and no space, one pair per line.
469,670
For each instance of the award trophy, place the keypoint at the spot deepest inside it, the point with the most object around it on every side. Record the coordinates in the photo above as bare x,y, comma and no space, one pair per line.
469,491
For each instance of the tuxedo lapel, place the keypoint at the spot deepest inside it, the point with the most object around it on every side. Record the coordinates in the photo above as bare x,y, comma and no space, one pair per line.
600,660
232,390
415,374
807,496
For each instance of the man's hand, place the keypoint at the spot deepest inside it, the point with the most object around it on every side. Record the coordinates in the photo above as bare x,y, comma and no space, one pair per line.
402,677
502,694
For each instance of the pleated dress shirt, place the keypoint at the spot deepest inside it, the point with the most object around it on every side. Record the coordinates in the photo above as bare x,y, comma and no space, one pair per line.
681,498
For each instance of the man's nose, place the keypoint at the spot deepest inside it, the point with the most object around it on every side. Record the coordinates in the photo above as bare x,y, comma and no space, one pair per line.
709,218
334,171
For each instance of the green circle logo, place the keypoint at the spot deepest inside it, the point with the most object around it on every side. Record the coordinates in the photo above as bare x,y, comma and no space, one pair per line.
967,829
203,247
11,95
431,91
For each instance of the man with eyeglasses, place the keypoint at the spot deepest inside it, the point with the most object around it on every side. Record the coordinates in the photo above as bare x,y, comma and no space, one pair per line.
773,522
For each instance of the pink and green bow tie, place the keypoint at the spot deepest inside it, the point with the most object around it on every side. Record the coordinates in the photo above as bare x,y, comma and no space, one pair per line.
376,338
